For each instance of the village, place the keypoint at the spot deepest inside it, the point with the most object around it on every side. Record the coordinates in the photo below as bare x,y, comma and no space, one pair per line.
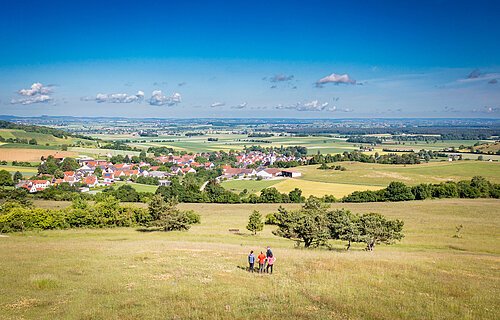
93,173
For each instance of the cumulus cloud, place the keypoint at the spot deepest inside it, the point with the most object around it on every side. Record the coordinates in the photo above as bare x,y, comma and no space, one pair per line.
159,99
240,106
217,104
281,78
335,79
35,99
37,93
36,89
119,97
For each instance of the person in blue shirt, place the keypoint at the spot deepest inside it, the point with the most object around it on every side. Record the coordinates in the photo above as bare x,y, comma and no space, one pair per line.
269,253
251,261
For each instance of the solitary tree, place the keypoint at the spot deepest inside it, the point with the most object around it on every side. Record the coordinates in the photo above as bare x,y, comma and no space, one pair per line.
255,222
166,216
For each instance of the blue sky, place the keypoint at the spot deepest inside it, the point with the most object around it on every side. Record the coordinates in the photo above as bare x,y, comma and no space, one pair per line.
303,59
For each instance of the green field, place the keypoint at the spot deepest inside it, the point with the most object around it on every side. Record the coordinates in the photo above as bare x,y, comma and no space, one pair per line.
26,171
382,174
252,186
41,138
137,186
125,274
228,141
370,176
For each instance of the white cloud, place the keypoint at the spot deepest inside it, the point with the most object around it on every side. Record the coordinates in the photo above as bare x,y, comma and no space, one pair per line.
36,89
311,106
37,93
217,104
336,79
159,99
119,97
36,99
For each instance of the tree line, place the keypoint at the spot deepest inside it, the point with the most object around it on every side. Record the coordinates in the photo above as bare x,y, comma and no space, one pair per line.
106,212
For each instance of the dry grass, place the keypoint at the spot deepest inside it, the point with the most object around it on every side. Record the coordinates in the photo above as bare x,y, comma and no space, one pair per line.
31,155
125,274
320,189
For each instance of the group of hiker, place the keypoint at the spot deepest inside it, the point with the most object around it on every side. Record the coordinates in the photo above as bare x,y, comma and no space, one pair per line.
266,261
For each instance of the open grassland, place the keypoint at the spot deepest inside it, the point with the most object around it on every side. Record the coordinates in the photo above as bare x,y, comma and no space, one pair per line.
31,155
382,174
126,274
26,171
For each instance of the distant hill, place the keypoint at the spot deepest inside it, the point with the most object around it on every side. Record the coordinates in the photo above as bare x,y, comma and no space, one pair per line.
38,135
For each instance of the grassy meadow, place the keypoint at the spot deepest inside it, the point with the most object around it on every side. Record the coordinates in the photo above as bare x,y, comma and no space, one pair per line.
370,176
137,186
199,274
26,171
382,174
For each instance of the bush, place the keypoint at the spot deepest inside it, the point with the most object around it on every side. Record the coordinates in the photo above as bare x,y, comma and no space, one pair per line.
104,214
193,217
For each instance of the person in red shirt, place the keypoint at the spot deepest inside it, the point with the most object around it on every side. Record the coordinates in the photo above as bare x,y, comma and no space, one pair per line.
262,262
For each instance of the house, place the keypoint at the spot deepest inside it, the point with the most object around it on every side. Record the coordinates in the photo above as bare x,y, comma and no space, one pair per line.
209,165
268,173
158,174
90,181
239,172
188,170
176,170
164,182
34,185
108,177
291,173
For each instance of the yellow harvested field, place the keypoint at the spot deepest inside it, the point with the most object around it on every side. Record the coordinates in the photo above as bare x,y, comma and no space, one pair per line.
31,155
320,189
